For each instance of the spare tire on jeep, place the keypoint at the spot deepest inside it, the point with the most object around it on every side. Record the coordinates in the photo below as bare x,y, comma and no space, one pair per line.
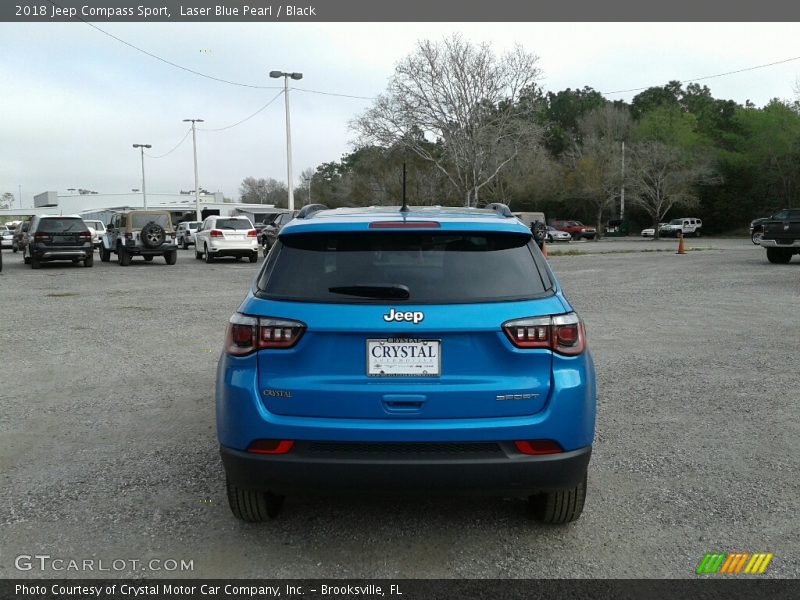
153,235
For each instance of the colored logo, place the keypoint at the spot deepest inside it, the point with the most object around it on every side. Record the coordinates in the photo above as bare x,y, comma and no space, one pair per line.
734,563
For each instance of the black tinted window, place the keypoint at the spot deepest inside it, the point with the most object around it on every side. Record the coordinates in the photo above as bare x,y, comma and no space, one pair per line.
232,224
61,224
440,267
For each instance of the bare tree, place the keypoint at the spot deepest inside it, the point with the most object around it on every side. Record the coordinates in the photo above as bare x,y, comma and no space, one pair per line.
663,176
594,163
264,191
6,200
457,105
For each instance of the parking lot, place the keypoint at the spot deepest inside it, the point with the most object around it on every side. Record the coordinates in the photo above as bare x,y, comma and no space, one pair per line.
108,450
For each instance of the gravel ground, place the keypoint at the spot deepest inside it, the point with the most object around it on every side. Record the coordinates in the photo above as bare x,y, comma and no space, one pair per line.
108,451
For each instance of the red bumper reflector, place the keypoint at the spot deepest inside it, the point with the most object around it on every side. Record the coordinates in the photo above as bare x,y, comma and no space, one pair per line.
270,446
538,447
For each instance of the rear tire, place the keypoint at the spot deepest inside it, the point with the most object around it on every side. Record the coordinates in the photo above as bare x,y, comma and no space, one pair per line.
88,261
253,506
779,256
254,257
123,257
171,257
207,254
34,262
557,507
105,255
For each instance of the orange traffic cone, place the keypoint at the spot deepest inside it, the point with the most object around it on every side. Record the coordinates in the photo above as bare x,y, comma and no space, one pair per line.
681,249
544,248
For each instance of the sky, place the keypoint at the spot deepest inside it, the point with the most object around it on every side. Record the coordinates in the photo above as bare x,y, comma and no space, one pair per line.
73,100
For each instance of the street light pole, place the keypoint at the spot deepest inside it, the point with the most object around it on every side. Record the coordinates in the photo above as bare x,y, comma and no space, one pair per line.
144,193
196,184
622,191
286,76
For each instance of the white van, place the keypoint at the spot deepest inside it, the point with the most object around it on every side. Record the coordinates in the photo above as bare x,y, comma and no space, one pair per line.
529,218
685,225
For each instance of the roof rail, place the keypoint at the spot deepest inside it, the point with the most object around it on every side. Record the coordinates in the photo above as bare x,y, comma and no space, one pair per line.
309,210
501,209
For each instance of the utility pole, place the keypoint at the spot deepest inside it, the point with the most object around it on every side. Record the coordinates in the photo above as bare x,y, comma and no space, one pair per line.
309,180
196,184
622,191
144,193
20,195
286,76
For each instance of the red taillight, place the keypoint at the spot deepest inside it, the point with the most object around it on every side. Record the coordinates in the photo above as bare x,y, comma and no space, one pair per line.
529,333
564,334
252,233
404,225
40,236
270,446
247,334
538,447
279,333
84,235
216,233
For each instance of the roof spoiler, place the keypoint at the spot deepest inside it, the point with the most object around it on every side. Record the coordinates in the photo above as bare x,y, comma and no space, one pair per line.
309,210
501,209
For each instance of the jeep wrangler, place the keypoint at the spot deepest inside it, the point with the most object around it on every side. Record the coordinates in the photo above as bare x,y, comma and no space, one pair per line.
145,233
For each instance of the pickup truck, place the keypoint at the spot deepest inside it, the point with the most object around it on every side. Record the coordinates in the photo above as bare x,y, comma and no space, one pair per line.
781,235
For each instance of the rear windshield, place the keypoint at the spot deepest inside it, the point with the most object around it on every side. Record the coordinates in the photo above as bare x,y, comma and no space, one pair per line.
61,224
232,224
138,221
441,267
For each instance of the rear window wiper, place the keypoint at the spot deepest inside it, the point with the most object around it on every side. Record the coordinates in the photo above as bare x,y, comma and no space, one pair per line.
394,291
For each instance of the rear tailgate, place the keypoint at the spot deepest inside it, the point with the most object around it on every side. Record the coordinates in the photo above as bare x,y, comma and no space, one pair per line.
351,363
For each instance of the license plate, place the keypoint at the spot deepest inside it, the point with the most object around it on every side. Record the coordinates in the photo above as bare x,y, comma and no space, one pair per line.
233,236
403,357
62,238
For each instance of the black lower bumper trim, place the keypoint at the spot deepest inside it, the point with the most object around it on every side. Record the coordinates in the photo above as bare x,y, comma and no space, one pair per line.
510,473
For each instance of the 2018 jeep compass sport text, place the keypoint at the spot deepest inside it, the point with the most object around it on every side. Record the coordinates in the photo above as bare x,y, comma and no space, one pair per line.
407,349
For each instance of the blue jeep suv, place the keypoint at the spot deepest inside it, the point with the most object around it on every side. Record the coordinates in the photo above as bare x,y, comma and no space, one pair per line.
423,348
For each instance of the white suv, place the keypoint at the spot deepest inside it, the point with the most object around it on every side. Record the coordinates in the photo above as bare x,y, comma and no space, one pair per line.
685,225
97,229
185,233
226,236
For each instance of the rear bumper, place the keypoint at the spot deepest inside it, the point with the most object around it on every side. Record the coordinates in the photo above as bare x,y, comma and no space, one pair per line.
248,251
63,253
135,250
780,243
508,472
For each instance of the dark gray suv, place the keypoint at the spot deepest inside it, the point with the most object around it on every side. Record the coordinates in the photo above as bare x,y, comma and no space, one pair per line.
53,238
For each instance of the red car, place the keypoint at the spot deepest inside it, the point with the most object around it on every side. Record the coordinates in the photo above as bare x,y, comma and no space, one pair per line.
576,229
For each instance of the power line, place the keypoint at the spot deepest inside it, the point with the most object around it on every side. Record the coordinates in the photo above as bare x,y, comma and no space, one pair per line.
333,94
164,60
278,95
183,139
198,73
772,64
